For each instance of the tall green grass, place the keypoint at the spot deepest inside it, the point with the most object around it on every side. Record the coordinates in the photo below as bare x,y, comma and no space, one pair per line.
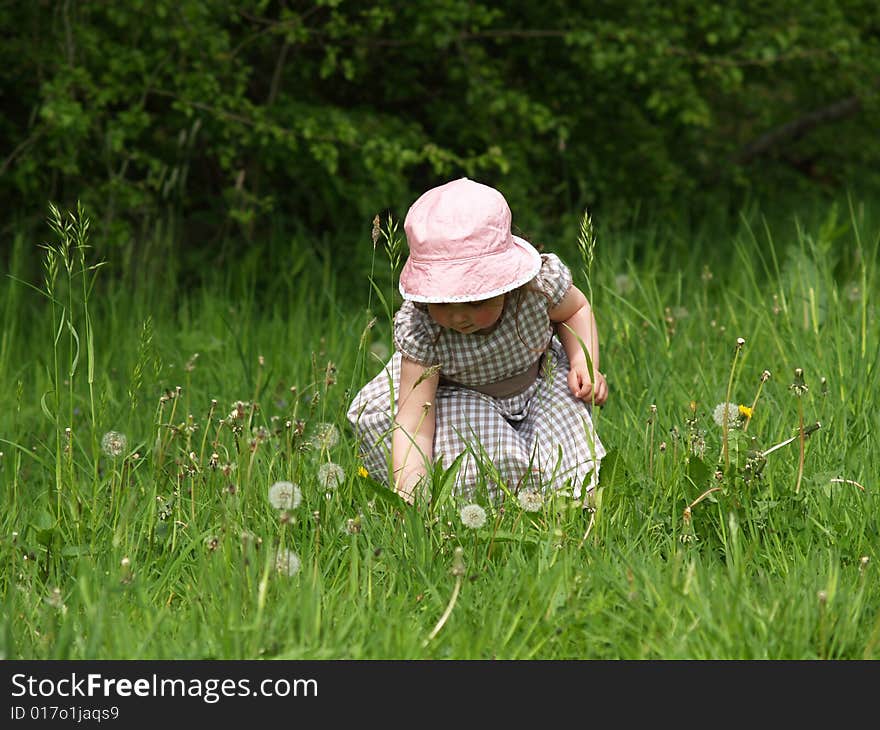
236,380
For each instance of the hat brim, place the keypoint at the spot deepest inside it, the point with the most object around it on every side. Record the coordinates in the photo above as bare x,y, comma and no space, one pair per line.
470,280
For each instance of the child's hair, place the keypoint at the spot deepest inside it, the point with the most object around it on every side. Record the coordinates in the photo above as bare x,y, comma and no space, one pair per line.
520,292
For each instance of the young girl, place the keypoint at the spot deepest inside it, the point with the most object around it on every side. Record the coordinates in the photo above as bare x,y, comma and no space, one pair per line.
496,358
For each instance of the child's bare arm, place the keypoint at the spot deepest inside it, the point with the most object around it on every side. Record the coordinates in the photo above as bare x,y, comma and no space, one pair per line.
580,337
412,442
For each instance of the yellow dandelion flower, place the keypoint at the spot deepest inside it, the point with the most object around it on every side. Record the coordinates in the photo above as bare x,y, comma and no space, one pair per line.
745,411
362,472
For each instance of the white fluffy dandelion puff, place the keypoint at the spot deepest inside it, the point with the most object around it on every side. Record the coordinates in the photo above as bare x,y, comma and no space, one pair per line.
285,495
623,284
326,436
287,562
473,516
732,410
330,475
114,443
531,500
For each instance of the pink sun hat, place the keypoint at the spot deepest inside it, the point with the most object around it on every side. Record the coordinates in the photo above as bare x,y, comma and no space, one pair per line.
461,248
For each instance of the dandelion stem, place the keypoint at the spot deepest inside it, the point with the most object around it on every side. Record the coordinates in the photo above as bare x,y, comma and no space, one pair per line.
807,431
702,497
754,403
588,530
452,599
725,418
205,430
801,440
837,480
499,516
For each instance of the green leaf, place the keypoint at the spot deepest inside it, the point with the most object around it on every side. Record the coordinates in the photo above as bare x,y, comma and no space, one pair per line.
384,494
72,551
43,520
614,471
75,360
443,481
44,406
505,536
699,472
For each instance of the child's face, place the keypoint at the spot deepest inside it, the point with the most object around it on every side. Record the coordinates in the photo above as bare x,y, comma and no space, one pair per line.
468,317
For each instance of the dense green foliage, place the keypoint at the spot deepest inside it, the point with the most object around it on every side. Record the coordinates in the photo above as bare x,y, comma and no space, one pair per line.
700,543
260,115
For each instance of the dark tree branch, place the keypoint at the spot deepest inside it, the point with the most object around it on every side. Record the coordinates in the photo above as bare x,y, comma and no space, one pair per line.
797,128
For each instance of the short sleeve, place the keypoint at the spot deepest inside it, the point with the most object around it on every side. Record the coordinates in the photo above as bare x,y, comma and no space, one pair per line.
554,278
415,334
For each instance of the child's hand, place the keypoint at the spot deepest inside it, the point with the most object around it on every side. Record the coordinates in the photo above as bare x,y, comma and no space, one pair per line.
582,386
409,486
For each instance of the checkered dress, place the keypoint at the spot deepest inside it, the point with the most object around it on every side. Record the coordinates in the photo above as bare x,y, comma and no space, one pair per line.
542,437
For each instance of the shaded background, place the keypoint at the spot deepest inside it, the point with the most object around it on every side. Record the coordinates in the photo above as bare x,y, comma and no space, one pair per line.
249,121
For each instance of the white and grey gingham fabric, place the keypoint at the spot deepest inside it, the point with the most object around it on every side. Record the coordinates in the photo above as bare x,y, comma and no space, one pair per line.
542,437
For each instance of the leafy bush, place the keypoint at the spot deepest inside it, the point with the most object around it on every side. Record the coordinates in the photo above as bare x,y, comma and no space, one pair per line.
249,113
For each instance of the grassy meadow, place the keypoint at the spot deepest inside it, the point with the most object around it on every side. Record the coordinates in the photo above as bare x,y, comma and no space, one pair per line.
148,411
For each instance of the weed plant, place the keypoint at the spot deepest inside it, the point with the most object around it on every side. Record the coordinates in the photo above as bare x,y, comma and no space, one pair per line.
179,480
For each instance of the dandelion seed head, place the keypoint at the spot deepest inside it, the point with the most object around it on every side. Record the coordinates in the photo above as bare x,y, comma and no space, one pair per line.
113,443
623,284
285,495
798,386
54,598
330,475
287,562
473,516
530,500
732,411
326,436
